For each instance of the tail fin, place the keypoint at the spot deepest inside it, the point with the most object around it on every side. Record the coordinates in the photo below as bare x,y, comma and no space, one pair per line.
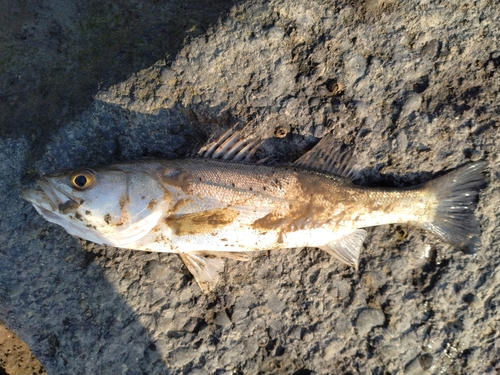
454,219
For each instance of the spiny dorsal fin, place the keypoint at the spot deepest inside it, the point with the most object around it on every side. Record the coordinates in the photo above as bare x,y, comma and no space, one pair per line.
231,146
328,156
347,248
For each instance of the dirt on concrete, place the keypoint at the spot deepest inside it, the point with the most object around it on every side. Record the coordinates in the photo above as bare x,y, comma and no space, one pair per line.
16,358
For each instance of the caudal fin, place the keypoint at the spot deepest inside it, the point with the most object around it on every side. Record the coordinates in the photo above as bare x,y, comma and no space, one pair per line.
454,220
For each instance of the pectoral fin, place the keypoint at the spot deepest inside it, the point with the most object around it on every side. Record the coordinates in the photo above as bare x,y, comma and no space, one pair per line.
206,266
347,248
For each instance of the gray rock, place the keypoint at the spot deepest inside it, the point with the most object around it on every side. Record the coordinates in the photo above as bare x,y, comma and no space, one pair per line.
222,319
369,318
274,303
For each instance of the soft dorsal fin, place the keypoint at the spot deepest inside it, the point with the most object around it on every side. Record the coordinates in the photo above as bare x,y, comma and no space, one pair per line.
328,156
231,146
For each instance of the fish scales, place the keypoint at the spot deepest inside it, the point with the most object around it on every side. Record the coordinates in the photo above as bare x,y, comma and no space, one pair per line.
300,194
207,209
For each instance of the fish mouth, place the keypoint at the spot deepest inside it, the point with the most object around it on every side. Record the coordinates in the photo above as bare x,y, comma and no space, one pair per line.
58,207
50,198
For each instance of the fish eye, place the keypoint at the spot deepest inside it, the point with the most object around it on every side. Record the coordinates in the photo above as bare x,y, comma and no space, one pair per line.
82,179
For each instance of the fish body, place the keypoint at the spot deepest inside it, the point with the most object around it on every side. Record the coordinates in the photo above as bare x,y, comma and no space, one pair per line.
205,208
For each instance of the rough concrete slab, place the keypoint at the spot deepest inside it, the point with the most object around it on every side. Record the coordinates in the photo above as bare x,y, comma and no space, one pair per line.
412,86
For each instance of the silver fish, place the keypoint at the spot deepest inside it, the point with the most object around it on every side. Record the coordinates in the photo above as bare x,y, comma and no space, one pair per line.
206,209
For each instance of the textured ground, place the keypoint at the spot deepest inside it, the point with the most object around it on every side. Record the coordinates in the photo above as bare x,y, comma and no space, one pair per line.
414,87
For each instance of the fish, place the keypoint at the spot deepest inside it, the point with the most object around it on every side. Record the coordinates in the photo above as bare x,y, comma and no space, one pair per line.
222,205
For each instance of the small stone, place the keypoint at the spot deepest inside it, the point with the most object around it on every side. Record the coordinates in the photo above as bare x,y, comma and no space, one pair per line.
314,102
186,295
425,361
279,268
168,76
413,104
182,356
275,34
222,319
274,303
319,131
402,140
476,155
276,325
355,67
419,365
158,294
422,148
413,368
343,327
431,49
332,349
369,318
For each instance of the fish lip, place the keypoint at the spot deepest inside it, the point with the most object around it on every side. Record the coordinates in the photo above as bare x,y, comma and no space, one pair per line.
59,200
58,207
37,198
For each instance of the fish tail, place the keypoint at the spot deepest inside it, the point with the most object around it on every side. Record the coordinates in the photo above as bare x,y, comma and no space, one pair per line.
454,220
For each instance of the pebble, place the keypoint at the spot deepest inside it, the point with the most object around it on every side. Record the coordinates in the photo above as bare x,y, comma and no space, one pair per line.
332,349
274,303
476,155
369,318
419,365
319,131
222,319
182,356
355,67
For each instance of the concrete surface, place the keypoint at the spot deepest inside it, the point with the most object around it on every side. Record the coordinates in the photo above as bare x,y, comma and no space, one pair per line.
412,86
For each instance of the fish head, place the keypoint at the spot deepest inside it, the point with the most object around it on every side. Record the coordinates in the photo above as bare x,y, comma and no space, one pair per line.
107,205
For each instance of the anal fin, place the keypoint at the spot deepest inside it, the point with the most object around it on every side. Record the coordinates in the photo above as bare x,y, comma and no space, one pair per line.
347,248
